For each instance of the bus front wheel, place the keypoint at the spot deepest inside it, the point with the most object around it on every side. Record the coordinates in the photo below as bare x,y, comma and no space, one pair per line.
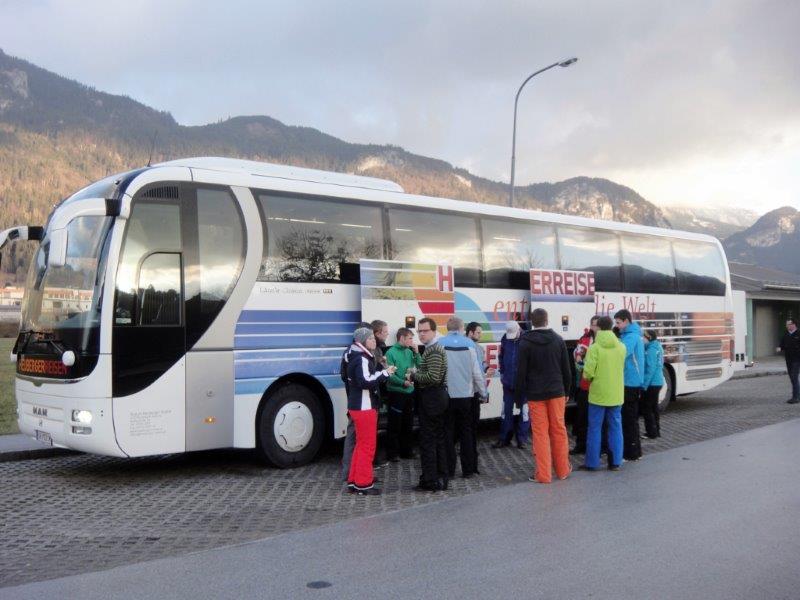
291,426
667,390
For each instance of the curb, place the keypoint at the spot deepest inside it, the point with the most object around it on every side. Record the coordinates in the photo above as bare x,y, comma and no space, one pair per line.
746,375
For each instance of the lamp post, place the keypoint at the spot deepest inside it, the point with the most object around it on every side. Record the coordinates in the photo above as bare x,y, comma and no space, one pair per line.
563,63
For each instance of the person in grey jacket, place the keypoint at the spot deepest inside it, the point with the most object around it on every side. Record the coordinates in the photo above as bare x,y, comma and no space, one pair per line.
464,380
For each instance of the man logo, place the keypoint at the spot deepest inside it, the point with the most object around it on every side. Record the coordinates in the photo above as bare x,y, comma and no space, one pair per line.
39,411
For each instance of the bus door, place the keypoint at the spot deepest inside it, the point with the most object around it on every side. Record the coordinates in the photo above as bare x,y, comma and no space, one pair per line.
178,296
222,263
149,328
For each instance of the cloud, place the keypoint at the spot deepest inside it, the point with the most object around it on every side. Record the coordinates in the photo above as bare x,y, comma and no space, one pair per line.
663,90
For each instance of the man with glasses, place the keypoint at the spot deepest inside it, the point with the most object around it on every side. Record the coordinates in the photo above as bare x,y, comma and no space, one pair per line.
431,381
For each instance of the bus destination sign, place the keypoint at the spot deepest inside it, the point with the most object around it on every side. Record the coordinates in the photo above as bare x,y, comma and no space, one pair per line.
562,286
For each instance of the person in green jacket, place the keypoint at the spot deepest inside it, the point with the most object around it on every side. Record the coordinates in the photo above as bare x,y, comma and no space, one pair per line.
399,430
604,367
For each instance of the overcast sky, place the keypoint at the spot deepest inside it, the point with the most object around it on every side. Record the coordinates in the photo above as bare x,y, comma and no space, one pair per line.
686,102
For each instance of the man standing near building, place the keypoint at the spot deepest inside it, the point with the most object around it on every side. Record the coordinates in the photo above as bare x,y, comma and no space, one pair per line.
464,382
431,380
631,336
544,379
790,346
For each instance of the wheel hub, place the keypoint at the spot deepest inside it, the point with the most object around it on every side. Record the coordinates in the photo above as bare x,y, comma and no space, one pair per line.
294,425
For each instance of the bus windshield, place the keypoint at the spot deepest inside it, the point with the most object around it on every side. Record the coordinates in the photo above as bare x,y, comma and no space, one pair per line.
66,301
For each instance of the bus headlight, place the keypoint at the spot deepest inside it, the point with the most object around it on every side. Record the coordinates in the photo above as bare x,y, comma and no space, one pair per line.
82,416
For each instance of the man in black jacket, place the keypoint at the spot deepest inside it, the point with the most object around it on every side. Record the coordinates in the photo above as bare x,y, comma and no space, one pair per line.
544,378
790,346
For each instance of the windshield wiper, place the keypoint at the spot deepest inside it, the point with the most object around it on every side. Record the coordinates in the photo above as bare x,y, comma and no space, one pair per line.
48,339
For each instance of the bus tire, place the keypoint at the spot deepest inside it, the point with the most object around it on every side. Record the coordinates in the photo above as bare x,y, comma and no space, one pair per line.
667,393
291,426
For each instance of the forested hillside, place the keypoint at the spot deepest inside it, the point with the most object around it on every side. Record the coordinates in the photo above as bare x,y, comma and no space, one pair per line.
57,135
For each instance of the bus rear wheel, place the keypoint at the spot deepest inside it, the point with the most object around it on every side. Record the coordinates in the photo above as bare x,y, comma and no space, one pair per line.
291,426
667,391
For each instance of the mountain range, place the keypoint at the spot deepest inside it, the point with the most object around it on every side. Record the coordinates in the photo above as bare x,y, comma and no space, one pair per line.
56,135
772,241
719,221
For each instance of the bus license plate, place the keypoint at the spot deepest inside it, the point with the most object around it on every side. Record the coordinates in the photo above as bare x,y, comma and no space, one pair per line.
44,437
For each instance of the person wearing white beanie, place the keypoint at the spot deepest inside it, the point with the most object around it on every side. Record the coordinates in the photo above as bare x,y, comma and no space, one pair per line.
511,424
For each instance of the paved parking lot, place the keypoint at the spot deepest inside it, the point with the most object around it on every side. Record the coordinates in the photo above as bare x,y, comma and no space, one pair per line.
79,513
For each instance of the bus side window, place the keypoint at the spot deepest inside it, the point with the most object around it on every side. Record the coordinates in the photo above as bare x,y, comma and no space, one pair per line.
584,249
318,240
699,267
512,248
647,262
153,226
159,286
214,256
430,237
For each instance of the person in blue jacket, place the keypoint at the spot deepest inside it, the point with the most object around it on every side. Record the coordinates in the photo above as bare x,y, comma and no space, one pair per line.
511,424
631,336
652,384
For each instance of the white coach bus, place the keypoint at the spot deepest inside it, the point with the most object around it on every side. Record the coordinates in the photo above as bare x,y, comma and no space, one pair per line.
205,303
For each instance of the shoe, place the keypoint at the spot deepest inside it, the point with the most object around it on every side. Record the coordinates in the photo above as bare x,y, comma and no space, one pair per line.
588,468
533,479
500,444
351,488
613,467
577,450
793,401
379,464
373,491
444,483
522,445
427,487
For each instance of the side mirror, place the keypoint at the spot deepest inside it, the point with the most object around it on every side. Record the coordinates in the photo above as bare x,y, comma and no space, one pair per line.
57,256
21,232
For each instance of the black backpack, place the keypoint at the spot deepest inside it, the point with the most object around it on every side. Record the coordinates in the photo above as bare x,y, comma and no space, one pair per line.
343,366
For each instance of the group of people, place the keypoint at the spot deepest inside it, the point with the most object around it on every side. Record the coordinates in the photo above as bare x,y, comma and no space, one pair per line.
620,377
444,380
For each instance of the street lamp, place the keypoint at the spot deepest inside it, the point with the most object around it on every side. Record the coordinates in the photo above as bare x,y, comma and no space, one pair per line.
563,63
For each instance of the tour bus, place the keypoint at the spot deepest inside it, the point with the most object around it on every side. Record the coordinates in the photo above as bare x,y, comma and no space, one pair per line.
206,302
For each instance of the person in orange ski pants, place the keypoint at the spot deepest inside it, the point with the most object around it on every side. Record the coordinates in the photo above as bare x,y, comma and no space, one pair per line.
544,378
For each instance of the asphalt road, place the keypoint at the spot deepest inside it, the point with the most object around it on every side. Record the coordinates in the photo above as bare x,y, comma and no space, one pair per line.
77,514
717,519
